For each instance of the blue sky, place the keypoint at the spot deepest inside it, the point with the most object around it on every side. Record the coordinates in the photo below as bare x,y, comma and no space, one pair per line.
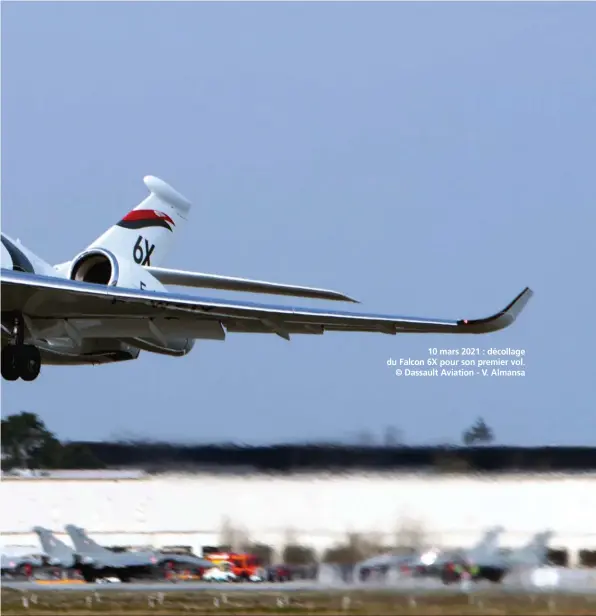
428,159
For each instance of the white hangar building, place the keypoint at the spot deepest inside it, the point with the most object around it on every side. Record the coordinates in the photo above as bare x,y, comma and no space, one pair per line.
124,508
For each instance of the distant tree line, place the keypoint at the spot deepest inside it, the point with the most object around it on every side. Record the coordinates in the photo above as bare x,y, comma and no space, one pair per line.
27,443
154,457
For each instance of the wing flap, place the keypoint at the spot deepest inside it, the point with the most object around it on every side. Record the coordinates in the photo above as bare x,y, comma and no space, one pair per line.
47,297
229,283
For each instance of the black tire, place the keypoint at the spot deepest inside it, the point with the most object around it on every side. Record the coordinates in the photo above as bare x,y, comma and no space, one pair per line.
10,370
88,576
494,575
449,577
28,359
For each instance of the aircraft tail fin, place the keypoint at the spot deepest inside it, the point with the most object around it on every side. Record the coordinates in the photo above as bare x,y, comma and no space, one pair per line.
82,543
56,550
489,542
537,547
147,233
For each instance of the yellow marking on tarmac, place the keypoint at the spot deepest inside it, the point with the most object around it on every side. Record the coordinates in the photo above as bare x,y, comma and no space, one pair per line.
58,582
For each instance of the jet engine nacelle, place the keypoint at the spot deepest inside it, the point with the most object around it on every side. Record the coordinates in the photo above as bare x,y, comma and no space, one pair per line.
101,266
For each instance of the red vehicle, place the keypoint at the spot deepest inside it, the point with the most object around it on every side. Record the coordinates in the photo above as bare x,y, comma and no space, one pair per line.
243,566
279,573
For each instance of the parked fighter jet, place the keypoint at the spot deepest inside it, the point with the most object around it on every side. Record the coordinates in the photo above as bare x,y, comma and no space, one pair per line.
486,548
95,561
57,553
19,562
428,563
533,554
494,567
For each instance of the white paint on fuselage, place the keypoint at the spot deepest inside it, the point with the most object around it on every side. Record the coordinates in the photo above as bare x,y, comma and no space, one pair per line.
98,336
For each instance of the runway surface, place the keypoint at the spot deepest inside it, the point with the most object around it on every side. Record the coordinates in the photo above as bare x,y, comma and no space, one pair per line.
220,587
555,581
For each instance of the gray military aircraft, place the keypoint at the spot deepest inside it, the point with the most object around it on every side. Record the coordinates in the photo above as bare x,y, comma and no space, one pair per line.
533,554
486,548
429,563
495,565
57,553
95,561
18,565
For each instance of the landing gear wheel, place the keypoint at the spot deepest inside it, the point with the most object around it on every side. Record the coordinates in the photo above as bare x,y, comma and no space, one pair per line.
22,360
10,368
29,362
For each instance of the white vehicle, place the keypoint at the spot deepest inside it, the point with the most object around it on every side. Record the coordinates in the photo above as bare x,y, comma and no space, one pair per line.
109,302
108,580
218,574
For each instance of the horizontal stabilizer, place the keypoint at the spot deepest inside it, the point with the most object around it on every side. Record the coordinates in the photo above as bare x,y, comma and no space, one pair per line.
228,283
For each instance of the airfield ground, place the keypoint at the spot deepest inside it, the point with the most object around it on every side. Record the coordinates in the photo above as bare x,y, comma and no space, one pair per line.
344,602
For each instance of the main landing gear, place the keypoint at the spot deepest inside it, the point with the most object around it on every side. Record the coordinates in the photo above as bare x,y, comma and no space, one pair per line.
20,360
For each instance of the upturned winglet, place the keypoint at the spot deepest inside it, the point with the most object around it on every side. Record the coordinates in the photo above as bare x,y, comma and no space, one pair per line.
500,320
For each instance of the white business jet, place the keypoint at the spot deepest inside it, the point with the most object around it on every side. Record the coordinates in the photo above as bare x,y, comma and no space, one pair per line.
110,302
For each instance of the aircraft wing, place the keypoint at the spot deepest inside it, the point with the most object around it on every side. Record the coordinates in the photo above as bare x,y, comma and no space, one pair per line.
185,559
228,283
57,298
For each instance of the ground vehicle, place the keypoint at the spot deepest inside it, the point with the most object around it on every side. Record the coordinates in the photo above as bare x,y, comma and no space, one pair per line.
243,566
219,573
278,573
